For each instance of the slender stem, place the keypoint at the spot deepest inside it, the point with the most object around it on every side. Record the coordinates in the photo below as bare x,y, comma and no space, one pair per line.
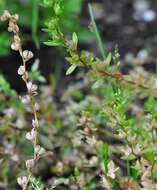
121,77
128,168
25,78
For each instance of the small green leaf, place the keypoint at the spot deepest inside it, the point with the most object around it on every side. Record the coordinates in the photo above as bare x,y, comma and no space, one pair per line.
108,59
35,66
130,157
52,43
71,69
97,84
57,9
75,39
41,79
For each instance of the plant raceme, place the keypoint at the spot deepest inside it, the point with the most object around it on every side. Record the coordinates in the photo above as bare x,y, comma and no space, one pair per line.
26,55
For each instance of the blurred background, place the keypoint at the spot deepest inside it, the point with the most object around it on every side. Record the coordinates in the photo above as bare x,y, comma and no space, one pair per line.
129,23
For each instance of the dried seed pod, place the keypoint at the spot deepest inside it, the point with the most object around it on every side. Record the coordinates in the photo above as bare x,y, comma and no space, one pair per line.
25,99
27,55
37,106
35,123
15,17
30,164
31,135
16,29
22,181
11,26
39,150
5,16
32,87
21,70
15,46
17,39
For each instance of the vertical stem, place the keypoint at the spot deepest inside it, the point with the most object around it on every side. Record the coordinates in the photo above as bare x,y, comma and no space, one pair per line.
128,168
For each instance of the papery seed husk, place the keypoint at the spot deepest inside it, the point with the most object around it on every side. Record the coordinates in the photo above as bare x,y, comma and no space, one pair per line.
31,135
5,16
21,70
35,123
27,55
22,180
30,164
15,46
39,150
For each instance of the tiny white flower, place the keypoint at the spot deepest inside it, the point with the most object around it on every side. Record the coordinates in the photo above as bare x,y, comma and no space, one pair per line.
22,181
29,85
39,150
20,122
32,88
21,70
111,169
27,55
30,135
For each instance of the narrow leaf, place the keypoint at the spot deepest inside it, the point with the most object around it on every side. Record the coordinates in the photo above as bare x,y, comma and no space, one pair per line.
71,69
108,59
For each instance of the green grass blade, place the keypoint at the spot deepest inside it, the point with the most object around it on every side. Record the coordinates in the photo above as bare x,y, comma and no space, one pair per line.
96,32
